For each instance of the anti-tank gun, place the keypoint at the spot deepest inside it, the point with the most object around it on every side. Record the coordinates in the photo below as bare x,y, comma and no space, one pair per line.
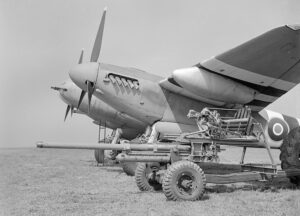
178,166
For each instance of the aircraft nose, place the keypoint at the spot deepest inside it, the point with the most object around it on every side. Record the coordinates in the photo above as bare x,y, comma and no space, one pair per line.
82,73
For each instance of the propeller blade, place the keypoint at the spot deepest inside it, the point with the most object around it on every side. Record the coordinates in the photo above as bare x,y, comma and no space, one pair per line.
72,110
90,90
80,98
81,57
98,40
67,112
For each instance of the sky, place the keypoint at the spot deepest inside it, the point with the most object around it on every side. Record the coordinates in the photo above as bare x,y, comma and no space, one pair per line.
41,40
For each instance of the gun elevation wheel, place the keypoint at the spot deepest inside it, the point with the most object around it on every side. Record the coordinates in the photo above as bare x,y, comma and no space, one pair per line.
184,180
145,178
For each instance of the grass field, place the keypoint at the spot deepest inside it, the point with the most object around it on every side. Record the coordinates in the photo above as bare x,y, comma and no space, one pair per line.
68,182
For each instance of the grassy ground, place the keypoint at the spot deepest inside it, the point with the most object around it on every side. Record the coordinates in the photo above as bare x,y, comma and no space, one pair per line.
68,182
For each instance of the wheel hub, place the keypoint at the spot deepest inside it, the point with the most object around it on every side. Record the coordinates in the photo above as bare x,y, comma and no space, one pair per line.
186,184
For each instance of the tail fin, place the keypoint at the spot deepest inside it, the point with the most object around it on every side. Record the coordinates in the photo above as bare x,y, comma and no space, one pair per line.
288,104
282,116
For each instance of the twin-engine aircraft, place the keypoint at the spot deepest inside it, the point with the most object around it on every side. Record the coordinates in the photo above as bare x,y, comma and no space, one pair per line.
253,74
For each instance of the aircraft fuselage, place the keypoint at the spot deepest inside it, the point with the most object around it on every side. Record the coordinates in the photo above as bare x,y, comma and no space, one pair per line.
139,94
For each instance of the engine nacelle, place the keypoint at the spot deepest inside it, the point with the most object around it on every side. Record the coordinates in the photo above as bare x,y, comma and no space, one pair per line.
213,86
163,128
173,128
278,126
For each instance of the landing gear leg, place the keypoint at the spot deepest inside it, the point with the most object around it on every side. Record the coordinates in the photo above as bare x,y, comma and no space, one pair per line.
116,138
130,167
101,154
154,135
243,155
98,153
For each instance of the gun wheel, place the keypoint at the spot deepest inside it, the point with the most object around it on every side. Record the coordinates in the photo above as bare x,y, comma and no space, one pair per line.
129,168
184,180
290,152
144,178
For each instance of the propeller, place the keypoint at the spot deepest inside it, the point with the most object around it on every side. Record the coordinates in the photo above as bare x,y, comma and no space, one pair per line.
98,41
94,58
69,107
80,98
82,92
67,112
81,57
90,90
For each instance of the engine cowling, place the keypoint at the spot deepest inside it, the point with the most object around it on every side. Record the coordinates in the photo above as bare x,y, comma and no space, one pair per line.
160,129
174,128
278,126
213,86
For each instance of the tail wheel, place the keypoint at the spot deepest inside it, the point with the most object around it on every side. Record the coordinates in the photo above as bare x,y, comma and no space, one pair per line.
99,155
184,180
290,151
145,178
129,168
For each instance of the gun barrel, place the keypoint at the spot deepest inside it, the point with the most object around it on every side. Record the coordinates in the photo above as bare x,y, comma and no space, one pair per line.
121,147
143,158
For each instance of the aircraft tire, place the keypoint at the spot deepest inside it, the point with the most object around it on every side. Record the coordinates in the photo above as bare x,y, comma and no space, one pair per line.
143,178
184,180
129,168
99,155
290,153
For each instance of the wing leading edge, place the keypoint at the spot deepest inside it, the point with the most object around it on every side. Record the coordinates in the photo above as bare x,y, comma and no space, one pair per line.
265,68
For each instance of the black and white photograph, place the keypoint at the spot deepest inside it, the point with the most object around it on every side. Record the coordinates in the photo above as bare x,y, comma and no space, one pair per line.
150,107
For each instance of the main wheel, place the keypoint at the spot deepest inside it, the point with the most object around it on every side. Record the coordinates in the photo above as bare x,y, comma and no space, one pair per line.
99,155
129,168
290,151
145,178
184,180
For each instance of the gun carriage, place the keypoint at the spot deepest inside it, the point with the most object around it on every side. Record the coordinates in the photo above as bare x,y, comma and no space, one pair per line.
182,164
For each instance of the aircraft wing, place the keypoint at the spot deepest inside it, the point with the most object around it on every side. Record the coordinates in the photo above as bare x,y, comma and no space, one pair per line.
255,73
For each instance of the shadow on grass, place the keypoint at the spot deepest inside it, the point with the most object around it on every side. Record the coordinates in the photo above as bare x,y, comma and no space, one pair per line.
107,163
205,197
268,186
108,169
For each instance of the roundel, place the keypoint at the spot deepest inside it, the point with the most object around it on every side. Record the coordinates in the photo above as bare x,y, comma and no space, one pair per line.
277,128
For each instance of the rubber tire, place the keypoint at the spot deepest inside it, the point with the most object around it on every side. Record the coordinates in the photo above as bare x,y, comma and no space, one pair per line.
141,180
290,157
129,168
171,177
99,156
